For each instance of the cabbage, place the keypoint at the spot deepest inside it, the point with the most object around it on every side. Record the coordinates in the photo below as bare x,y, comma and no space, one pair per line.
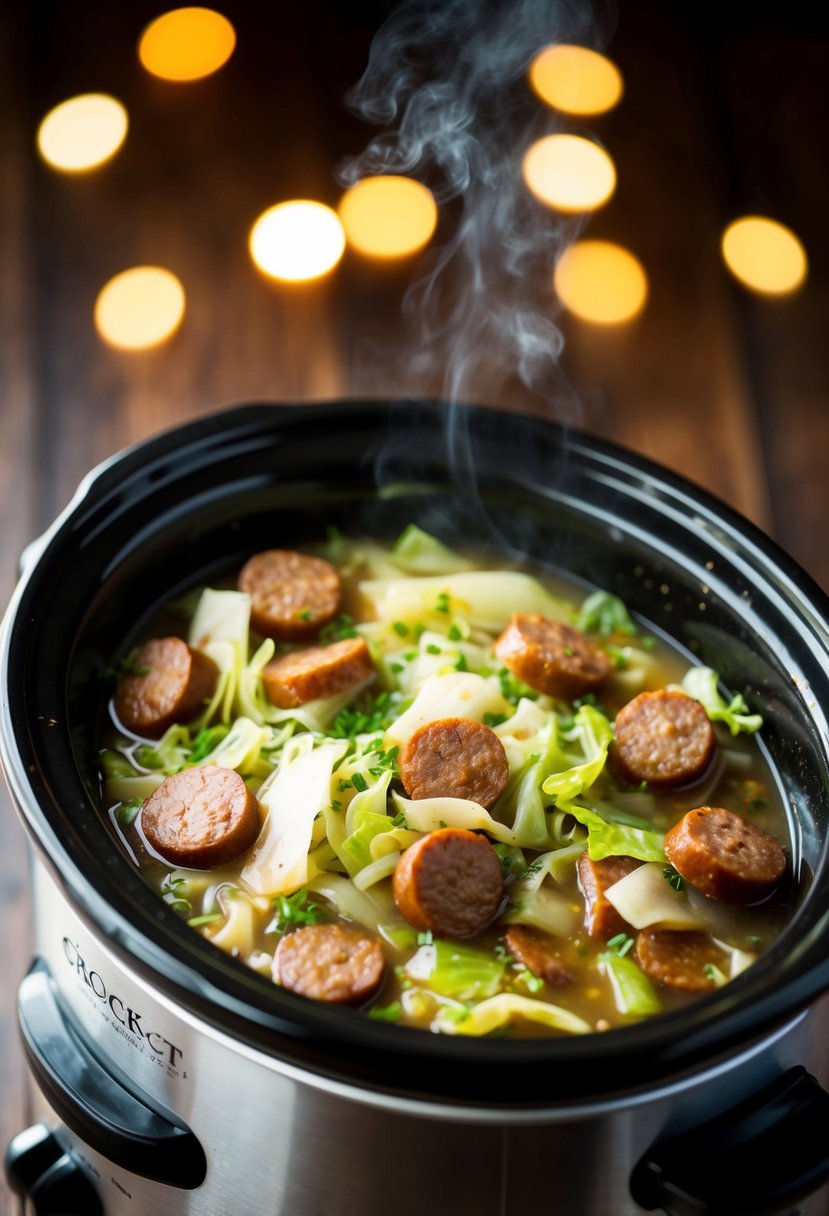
455,694
220,628
501,1010
488,598
549,910
701,684
634,993
593,733
644,897
419,553
606,839
293,798
455,970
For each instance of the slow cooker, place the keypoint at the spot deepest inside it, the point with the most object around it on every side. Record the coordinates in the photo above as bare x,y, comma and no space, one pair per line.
173,1079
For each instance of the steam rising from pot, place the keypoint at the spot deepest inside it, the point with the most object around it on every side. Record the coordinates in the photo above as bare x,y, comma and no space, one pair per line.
446,79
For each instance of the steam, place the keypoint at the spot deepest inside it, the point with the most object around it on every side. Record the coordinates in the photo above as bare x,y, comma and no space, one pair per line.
447,81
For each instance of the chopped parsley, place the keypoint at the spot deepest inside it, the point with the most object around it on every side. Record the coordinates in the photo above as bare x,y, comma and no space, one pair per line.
378,714
209,918
433,649
461,663
399,820
513,689
359,782
442,602
673,878
126,666
303,614
492,720
295,910
528,871
205,741
335,631
621,944
400,628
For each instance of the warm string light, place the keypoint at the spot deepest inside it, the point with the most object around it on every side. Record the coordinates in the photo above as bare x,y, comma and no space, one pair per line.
569,173
139,308
601,282
82,133
575,79
187,44
764,256
297,240
392,216
388,217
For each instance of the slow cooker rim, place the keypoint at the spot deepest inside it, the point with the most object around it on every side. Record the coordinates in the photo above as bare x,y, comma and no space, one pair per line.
728,1015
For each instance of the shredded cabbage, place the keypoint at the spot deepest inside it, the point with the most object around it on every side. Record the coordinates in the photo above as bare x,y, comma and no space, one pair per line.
701,683
501,1010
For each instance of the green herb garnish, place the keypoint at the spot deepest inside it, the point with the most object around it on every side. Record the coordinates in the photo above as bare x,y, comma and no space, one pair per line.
295,910
621,944
673,878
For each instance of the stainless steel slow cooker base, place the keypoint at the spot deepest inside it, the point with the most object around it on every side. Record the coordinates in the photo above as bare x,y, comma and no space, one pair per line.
279,1142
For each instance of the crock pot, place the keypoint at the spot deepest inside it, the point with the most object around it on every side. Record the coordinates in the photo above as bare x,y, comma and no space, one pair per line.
175,1080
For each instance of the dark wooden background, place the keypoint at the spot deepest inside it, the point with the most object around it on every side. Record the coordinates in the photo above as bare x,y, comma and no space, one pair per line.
726,112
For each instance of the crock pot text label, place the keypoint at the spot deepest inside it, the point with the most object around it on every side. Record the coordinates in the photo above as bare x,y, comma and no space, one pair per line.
127,1021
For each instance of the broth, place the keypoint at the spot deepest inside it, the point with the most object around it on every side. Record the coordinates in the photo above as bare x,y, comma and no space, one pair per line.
430,625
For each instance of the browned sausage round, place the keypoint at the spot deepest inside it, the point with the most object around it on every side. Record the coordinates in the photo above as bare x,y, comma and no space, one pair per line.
600,917
174,685
536,952
551,657
291,594
450,882
201,817
725,856
454,758
319,671
678,958
334,963
664,738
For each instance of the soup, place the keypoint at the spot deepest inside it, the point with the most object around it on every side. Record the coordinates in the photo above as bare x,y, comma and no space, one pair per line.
467,799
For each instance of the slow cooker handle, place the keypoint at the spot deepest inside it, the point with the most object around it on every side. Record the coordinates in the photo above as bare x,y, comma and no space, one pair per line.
93,1104
755,1159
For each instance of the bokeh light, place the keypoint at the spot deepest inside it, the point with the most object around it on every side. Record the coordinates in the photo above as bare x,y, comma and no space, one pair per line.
388,217
187,44
575,79
297,240
765,256
139,308
601,282
569,173
83,132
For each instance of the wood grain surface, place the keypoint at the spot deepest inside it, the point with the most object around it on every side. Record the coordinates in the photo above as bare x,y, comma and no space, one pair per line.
723,114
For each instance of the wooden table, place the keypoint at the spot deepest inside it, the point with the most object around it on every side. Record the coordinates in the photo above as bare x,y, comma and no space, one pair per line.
722,115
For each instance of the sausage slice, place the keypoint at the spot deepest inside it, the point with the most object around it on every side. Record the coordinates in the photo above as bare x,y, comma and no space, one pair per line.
724,856
678,958
175,683
450,881
551,657
536,952
201,817
600,917
335,963
454,758
319,671
291,594
664,738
